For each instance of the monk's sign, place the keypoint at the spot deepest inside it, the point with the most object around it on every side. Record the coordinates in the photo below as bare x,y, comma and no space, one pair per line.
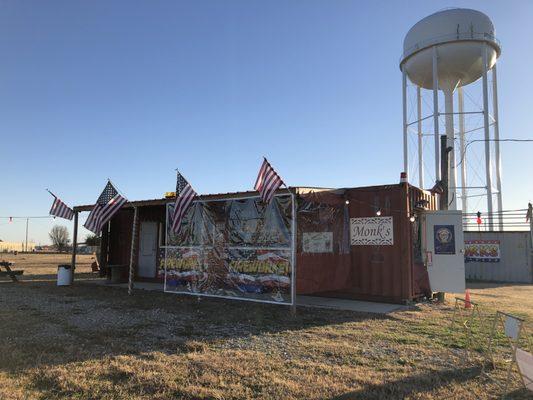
371,231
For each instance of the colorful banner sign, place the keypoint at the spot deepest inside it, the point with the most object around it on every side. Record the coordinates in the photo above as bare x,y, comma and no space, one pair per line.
235,248
482,251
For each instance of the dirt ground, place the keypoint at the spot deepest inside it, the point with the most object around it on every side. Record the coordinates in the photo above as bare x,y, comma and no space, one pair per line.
91,341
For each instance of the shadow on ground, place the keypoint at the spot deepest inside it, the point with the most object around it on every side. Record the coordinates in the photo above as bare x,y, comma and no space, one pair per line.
416,385
88,321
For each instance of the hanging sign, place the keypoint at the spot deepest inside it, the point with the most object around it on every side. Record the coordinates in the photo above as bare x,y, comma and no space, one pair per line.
371,231
482,251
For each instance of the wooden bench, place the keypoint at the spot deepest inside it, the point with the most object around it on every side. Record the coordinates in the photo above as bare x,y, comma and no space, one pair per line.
8,271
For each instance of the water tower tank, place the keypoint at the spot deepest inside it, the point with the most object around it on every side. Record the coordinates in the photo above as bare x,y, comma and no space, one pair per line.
460,35
446,51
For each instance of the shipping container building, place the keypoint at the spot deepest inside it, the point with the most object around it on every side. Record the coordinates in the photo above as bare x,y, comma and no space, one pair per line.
336,256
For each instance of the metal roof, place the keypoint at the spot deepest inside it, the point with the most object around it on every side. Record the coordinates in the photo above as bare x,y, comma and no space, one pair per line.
212,196
216,196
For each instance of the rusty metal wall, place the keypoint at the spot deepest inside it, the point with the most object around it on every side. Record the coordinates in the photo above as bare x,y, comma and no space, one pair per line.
516,258
373,272
383,271
120,237
120,233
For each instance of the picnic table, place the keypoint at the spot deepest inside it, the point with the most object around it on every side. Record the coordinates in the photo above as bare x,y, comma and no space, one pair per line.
8,271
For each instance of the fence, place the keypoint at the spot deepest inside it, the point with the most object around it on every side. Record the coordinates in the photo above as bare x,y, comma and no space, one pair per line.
499,256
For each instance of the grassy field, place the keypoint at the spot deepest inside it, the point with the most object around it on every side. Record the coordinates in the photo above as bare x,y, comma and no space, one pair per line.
44,266
95,342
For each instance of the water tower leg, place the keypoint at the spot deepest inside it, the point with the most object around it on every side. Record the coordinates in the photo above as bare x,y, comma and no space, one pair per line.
497,145
462,143
420,141
436,113
405,142
450,142
488,169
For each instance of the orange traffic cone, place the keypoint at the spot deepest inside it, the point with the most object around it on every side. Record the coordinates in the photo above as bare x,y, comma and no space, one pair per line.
467,299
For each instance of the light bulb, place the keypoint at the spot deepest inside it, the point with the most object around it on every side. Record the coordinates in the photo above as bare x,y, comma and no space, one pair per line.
347,201
378,213
412,218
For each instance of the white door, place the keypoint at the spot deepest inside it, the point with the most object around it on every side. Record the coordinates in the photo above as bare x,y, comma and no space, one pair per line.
444,247
147,250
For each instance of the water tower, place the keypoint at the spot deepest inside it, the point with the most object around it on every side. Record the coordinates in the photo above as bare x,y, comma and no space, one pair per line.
445,55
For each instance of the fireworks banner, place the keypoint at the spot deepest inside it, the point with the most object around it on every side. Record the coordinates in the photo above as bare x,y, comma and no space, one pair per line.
233,248
482,251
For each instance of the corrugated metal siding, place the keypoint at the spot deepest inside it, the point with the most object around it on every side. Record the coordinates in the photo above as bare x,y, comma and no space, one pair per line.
120,232
120,237
384,273
516,264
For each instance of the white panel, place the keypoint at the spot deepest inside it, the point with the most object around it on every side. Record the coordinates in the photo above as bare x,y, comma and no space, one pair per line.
444,249
147,250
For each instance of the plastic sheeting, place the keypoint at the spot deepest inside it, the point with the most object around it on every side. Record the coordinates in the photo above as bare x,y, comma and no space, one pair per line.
323,243
331,265
234,248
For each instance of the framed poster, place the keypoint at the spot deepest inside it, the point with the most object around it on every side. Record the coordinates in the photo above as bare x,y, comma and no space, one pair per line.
317,242
444,239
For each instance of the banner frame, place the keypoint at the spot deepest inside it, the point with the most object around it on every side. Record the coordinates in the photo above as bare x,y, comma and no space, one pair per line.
291,248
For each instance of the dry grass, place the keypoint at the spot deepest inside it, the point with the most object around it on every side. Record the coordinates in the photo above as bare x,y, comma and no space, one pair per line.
96,342
44,266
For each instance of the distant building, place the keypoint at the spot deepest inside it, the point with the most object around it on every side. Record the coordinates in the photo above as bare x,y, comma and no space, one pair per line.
8,247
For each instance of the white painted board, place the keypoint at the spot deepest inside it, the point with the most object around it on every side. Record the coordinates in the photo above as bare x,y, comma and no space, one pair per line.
444,249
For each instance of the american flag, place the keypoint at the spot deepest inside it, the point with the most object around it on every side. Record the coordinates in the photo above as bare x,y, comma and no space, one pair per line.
268,181
109,202
184,197
60,209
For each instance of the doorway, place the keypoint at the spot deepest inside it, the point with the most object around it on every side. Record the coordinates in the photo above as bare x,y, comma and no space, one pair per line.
147,250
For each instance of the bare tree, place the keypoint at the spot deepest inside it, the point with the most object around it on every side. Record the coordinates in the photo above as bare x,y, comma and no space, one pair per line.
59,237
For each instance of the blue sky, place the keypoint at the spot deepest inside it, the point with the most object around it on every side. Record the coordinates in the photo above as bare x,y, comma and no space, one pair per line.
131,90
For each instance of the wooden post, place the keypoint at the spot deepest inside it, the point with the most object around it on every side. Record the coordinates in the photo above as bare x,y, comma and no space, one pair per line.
294,241
104,239
74,245
406,246
132,250
445,175
444,171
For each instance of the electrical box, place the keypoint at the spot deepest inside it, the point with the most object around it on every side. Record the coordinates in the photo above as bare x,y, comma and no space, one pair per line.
443,247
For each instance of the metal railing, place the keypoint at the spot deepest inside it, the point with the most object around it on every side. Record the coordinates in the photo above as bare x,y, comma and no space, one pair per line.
459,36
